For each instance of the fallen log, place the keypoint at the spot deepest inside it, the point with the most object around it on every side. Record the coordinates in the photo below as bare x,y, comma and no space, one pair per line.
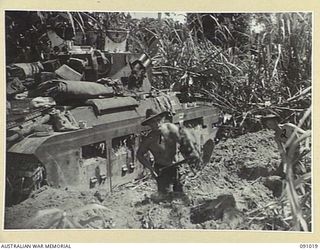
212,209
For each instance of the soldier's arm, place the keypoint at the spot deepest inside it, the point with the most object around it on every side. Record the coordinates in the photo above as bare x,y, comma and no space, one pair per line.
142,150
174,132
184,138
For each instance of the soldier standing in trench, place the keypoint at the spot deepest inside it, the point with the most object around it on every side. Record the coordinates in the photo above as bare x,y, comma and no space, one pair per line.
162,142
282,132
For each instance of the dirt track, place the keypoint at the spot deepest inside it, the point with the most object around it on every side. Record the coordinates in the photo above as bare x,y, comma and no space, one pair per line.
232,186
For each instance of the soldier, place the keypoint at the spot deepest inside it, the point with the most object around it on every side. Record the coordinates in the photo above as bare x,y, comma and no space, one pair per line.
162,142
282,134
138,73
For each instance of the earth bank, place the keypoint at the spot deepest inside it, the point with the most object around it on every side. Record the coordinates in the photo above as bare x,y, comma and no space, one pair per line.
236,190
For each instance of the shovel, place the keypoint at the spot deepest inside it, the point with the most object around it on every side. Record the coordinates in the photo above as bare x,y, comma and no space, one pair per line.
207,150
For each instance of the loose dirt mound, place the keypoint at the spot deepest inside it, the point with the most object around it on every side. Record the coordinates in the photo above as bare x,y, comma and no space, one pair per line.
225,194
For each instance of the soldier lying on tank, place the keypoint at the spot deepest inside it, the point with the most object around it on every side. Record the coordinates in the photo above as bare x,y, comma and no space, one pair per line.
63,120
162,142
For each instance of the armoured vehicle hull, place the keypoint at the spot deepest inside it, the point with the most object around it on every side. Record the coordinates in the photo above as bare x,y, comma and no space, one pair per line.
102,152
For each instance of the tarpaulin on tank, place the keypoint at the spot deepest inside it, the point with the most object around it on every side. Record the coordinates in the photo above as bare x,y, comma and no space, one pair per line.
162,102
102,105
72,89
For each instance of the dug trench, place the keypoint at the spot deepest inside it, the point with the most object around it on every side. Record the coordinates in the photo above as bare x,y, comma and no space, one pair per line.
227,193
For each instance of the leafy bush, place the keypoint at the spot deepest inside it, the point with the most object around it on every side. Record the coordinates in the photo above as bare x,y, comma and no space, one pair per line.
246,63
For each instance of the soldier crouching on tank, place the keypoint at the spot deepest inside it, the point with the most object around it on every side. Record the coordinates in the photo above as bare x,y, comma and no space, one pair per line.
138,72
162,142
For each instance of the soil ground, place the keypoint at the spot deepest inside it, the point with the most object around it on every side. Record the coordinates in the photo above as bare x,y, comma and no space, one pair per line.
230,192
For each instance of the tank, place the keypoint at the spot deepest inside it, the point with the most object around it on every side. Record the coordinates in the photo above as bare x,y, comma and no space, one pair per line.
82,126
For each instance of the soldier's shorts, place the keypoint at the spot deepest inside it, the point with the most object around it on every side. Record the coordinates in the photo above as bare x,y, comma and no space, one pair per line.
166,178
